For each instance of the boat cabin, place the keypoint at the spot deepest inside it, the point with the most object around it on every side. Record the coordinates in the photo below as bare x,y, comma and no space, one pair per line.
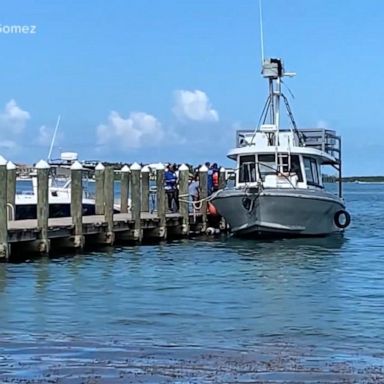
286,170
290,159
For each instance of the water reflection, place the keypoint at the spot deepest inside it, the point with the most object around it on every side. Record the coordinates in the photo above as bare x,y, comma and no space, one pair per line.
289,286
3,278
42,275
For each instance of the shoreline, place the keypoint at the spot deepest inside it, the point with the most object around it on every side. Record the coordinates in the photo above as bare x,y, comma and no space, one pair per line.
67,362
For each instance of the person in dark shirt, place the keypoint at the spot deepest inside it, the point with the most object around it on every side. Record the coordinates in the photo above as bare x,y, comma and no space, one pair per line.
210,177
171,187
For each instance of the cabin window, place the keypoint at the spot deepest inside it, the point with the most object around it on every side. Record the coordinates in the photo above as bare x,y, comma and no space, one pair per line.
296,167
266,165
311,171
314,172
247,169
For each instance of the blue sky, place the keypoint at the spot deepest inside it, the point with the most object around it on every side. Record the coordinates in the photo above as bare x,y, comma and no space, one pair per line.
171,80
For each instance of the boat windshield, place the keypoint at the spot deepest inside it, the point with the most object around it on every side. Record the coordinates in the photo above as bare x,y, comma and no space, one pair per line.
247,169
289,165
266,165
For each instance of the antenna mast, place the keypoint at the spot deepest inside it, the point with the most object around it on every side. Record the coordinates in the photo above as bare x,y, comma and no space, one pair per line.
54,137
261,31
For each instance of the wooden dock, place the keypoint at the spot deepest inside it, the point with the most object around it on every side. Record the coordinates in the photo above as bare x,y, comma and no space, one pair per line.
95,231
134,223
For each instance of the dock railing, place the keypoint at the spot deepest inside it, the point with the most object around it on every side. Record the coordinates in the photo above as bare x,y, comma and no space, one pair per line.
322,139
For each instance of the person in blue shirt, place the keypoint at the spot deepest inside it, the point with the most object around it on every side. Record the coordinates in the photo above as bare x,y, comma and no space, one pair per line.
210,177
171,187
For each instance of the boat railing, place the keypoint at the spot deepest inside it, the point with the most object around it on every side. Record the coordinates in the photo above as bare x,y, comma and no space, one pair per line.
322,139
244,137
325,140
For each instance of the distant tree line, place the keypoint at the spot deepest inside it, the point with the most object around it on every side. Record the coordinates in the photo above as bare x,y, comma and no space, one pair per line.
353,179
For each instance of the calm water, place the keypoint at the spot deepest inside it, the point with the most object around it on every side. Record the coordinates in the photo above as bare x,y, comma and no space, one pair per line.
317,297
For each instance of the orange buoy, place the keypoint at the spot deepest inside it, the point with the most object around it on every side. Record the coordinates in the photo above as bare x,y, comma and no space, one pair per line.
212,209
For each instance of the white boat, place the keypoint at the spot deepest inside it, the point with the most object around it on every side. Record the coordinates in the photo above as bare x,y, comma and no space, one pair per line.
279,189
59,193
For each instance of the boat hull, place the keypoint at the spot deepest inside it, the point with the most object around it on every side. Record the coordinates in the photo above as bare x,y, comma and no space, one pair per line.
275,212
56,210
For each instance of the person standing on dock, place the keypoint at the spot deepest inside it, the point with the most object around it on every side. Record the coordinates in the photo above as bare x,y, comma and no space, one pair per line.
215,177
210,177
171,187
193,191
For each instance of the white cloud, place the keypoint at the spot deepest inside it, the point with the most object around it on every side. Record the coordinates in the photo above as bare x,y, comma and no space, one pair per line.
45,136
13,118
138,130
195,106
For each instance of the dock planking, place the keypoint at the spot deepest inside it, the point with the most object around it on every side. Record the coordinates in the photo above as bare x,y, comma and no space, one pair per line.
28,230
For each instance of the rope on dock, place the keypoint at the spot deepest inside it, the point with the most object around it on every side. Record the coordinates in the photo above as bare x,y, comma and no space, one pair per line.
197,204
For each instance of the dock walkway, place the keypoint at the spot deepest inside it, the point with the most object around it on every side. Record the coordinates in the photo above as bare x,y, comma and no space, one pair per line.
63,227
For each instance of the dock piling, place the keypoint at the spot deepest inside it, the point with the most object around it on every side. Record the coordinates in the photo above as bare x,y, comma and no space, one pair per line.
145,189
4,247
124,189
109,177
184,198
42,169
136,234
76,204
11,189
99,180
160,202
